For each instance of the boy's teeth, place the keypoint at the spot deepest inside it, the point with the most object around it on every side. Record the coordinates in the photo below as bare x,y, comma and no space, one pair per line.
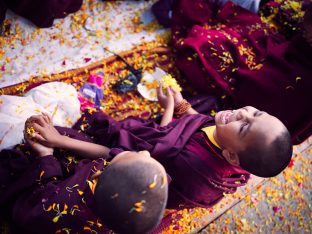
224,118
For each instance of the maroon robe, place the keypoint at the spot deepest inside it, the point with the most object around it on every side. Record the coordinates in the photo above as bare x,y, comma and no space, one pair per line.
41,12
228,51
49,194
3,9
199,173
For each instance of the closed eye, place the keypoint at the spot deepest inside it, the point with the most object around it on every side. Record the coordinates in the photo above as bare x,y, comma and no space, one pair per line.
257,113
242,127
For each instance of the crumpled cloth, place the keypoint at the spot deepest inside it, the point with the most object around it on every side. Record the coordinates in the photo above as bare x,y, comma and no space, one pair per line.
57,99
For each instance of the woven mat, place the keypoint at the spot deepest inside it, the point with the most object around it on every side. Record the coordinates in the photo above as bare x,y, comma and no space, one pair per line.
119,106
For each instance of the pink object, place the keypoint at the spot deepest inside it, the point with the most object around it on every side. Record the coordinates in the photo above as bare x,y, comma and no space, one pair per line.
96,79
277,209
91,93
87,59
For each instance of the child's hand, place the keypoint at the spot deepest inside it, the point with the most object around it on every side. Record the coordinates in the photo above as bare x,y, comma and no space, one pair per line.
166,101
40,149
177,96
44,131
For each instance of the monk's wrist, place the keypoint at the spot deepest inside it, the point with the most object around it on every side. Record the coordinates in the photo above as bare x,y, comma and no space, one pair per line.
62,142
182,108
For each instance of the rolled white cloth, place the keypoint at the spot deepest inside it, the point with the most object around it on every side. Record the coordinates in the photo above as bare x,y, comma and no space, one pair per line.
57,99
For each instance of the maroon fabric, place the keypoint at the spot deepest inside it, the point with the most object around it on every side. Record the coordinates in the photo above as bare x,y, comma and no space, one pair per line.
163,11
199,174
228,51
3,9
42,13
48,193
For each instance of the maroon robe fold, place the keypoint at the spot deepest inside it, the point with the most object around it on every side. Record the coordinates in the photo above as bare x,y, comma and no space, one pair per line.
162,10
42,12
3,9
228,51
48,194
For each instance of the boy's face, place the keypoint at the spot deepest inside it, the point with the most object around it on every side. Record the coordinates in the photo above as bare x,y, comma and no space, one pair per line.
236,129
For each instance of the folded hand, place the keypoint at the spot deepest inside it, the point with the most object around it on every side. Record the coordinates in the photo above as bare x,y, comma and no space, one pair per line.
43,130
40,149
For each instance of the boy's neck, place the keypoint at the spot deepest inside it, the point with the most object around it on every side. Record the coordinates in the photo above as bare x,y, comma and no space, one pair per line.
215,137
211,134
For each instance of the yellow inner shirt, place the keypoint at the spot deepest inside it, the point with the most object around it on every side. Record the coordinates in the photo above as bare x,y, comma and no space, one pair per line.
209,133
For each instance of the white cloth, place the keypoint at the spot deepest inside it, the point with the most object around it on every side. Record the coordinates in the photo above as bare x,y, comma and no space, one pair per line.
66,45
252,5
57,99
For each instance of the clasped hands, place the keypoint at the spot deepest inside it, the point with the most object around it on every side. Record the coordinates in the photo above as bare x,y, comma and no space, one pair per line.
41,135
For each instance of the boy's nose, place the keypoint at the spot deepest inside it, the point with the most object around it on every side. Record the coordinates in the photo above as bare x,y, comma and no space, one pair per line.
239,115
242,114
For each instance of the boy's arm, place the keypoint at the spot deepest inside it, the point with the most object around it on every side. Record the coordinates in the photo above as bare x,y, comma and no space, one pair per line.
167,102
167,116
83,148
46,165
41,171
191,111
46,134
184,108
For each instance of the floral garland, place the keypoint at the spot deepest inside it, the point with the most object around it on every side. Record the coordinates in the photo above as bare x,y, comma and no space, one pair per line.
284,16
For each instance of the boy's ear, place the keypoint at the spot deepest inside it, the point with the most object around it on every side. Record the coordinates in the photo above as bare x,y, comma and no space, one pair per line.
231,157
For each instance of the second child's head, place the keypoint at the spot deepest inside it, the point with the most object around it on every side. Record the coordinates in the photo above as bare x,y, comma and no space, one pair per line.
131,193
254,140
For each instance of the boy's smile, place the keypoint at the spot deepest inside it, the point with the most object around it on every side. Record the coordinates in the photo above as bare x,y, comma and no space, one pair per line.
224,116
